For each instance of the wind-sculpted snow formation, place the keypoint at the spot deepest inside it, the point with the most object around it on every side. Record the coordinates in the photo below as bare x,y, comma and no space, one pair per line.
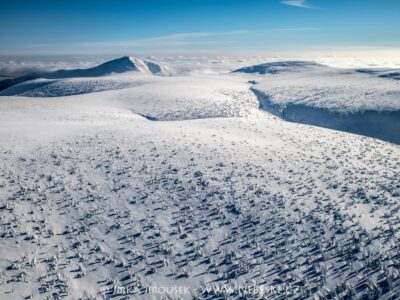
185,182
340,99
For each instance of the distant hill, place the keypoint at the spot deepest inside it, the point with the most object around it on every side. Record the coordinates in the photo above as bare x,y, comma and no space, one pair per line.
278,67
119,65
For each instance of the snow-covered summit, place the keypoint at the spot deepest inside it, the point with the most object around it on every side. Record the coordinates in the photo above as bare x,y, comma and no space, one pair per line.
126,64
119,65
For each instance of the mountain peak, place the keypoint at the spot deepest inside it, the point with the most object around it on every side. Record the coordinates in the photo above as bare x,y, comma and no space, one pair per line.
118,65
128,63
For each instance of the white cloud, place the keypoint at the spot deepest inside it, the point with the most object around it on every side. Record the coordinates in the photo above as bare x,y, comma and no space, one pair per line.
297,3
178,39
21,65
200,42
181,39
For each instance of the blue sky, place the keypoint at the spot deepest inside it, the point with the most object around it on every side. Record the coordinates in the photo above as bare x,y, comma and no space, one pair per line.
62,27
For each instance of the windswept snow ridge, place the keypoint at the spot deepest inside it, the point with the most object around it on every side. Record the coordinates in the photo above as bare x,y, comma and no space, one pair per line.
384,125
333,98
70,86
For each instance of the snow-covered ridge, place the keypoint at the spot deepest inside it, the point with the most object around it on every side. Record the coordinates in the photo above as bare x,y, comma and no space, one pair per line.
359,101
69,86
383,73
278,67
116,66
384,125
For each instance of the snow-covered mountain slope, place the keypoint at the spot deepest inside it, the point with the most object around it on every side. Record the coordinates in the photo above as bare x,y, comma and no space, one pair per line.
72,86
298,91
334,89
334,98
383,73
279,67
120,65
189,97
183,181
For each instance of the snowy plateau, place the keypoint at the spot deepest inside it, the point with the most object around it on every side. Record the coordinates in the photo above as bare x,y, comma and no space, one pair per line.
182,179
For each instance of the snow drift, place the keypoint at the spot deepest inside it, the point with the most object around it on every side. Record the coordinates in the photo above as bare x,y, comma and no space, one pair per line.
384,125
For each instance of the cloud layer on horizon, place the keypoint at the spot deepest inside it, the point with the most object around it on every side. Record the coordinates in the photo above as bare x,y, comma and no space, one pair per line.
186,39
348,57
